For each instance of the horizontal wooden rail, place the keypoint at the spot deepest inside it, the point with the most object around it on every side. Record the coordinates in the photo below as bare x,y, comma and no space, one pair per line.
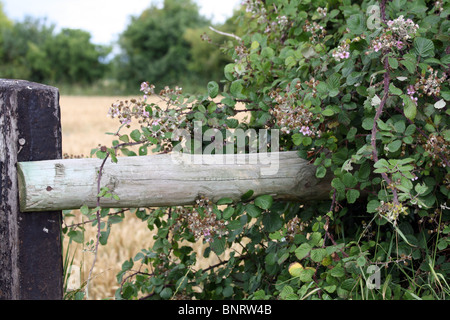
166,180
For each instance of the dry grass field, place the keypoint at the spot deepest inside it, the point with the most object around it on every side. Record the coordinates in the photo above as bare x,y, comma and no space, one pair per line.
84,123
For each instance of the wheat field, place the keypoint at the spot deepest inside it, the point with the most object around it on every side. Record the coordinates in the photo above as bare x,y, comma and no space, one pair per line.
84,122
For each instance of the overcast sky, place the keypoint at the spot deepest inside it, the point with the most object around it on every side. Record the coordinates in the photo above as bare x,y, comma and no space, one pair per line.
104,19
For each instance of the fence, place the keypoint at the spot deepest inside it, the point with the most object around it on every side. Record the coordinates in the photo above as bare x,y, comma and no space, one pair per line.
36,184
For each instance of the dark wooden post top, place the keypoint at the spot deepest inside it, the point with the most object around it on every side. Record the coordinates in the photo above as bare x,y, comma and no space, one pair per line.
30,243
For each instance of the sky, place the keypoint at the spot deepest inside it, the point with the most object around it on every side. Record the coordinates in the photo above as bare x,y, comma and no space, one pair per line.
104,19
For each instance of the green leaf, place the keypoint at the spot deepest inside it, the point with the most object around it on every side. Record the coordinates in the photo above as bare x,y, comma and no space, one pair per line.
321,172
394,90
228,213
317,255
352,195
85,210
136,135
272,221
228,291
124,138
76,235
424,47
303,250
264,201
270,258
337,271
328,112
307,274
213,89
218,245
394,145
372,206
166,293
410,108
409,65
224,201
236,90
247,195
393,63
400,126
297,138
338,185
252,210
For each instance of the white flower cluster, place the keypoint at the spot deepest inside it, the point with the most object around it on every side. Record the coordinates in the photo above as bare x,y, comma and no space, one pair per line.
396,35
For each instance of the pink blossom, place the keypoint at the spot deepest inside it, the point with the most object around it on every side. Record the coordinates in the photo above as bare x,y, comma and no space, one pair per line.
305,130
377,47
399,44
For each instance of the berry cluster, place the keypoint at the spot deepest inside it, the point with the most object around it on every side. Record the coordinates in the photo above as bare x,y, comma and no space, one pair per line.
317,31
391,210
396,35
294,227
255,7
436,146
201,220
430,85
290,116
322,12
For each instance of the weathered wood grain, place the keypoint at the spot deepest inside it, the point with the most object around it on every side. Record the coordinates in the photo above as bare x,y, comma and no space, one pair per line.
166,180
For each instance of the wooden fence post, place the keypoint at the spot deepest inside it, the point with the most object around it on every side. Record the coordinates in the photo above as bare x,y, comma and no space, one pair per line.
30,243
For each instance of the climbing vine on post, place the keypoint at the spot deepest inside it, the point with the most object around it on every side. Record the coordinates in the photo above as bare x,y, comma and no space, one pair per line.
360,89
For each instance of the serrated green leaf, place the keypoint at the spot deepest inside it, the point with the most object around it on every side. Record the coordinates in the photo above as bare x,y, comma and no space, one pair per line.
264,201
328,112
213,89
228,213
297,138
424,47
136,135
372,206
393,63
307,274
224,201
303,250
166,293
394,145
394,90
247,195
317,255
337,271
410,108
321,172
409,65
252,210
352,195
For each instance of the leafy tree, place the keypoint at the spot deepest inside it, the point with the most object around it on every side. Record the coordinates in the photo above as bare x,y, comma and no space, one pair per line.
31,50
24,48
75,59
154,46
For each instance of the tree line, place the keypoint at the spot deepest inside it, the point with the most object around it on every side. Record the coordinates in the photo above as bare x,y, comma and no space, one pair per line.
165,45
